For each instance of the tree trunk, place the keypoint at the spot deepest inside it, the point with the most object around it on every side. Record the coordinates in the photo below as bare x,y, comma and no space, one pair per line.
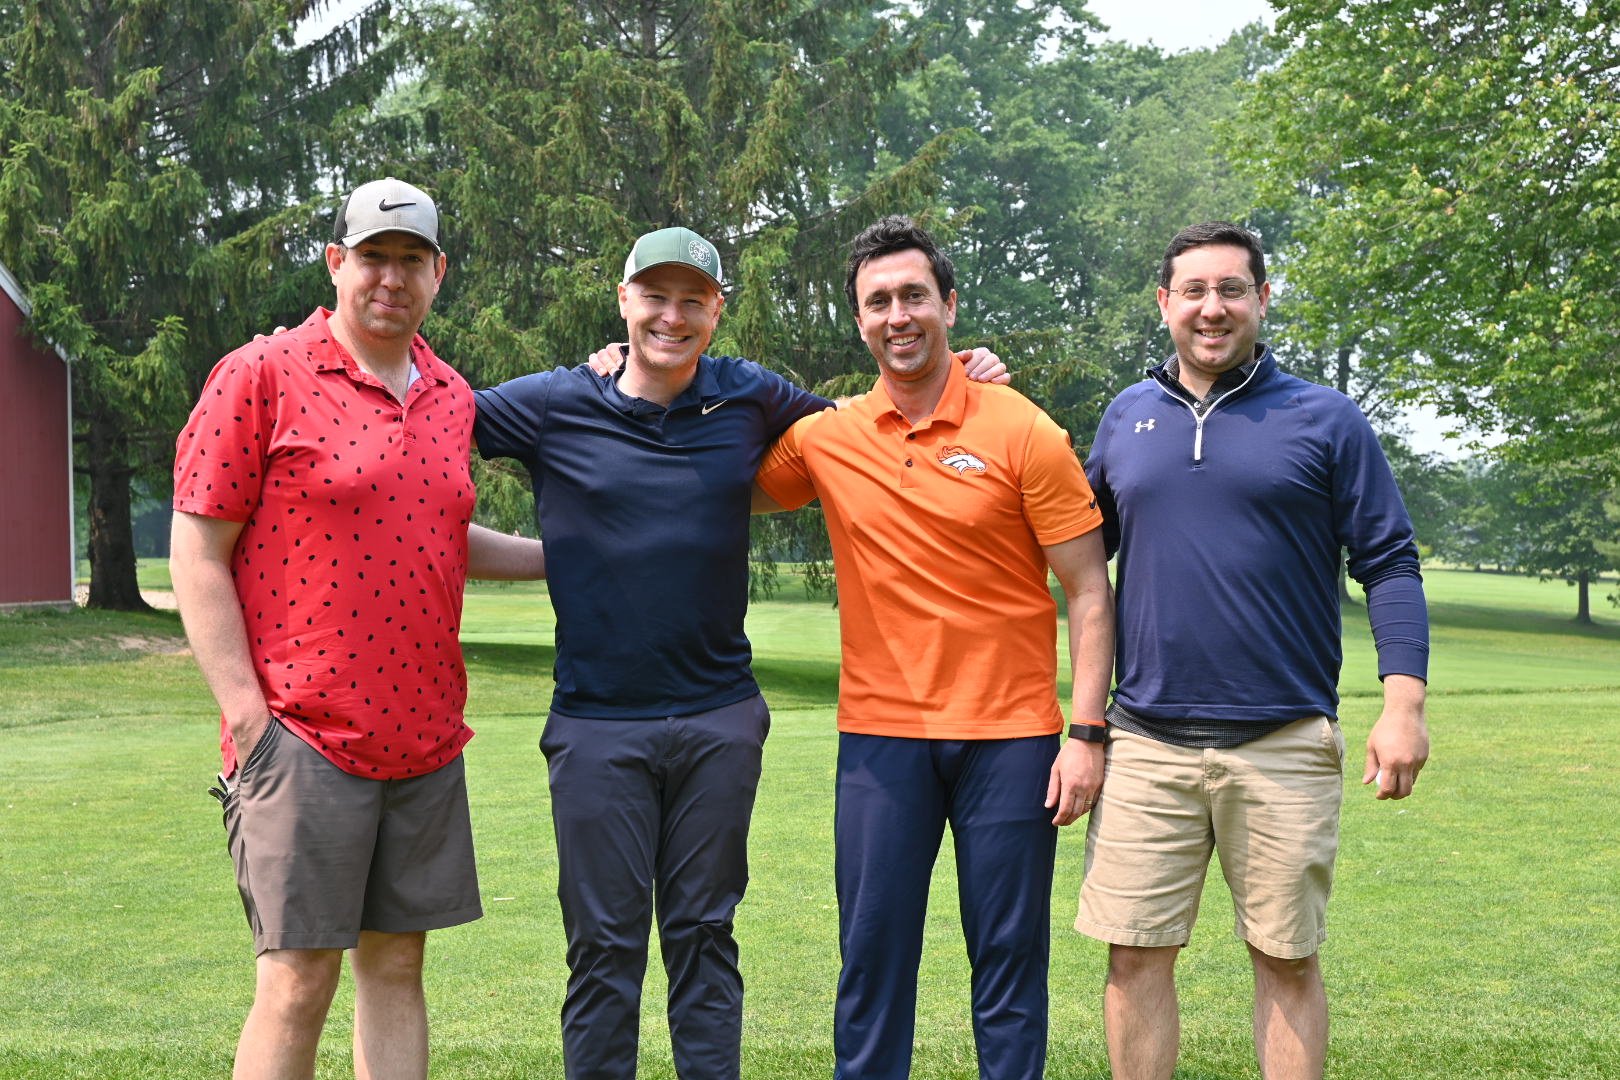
1341,382
112,539
1341,372
1583,603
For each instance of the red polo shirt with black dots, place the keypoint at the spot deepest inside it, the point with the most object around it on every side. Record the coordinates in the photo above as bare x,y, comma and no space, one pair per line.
353,554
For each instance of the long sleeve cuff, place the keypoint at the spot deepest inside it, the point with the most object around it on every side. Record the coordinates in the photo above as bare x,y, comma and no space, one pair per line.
1399,615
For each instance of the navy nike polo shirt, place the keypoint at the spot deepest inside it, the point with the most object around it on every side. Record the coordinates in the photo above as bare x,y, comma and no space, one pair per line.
644,513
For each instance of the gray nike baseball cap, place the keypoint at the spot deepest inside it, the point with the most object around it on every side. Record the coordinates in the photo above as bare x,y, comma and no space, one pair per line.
386,205
679,246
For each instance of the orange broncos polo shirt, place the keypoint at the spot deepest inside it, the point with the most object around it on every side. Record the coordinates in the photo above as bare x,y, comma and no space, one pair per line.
949,630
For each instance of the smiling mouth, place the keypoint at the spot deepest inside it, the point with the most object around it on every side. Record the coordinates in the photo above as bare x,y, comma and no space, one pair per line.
669,339
902,342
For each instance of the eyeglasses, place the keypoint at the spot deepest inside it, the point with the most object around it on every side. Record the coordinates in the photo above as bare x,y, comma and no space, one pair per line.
1229,289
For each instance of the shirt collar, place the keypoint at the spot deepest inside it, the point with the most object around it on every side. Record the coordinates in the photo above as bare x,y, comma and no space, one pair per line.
1226,381
322,347
704,387
951,408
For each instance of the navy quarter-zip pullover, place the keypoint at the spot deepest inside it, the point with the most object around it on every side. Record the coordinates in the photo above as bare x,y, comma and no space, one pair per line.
1228,521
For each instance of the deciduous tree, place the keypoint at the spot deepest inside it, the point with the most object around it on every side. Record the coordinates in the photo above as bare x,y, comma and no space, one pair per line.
1463,158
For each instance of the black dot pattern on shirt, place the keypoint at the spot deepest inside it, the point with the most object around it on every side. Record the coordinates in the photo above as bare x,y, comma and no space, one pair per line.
352,558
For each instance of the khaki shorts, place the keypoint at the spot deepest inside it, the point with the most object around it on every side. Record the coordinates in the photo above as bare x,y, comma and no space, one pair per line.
1271,807
321,855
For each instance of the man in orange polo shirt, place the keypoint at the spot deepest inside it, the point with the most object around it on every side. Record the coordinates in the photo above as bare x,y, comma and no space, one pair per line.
947,501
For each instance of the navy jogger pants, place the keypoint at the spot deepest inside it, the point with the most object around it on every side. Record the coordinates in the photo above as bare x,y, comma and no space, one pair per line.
644,809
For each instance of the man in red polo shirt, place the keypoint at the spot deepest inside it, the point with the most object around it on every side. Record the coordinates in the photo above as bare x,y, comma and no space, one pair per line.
320,547
947,501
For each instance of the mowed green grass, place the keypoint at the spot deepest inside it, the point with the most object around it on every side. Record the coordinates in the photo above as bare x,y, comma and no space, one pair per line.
1473,926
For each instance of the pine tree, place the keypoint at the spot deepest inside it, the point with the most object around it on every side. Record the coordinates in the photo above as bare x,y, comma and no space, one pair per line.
563,130
158,162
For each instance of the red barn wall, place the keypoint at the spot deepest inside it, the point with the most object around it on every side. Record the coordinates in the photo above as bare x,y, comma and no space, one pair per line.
36,500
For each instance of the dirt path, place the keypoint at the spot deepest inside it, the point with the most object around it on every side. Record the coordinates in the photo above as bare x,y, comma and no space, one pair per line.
162,599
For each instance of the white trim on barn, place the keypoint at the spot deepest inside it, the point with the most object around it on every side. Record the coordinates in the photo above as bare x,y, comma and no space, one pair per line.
13,288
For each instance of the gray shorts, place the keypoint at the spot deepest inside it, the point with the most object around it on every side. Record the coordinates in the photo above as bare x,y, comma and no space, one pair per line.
321,855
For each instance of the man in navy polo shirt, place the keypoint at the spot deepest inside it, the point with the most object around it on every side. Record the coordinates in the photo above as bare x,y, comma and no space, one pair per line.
642,486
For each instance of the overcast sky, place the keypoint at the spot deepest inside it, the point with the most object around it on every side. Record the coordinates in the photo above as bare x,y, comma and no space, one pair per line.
1177,26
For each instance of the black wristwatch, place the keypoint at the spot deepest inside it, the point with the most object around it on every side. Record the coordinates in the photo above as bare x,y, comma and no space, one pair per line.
1089,732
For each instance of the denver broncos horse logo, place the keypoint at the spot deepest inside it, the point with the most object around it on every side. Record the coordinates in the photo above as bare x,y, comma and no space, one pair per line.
963,461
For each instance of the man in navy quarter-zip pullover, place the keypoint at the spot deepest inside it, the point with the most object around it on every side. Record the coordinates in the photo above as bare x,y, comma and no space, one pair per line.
1228,490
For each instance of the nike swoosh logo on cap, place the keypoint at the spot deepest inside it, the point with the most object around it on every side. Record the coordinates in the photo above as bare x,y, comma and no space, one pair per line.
713,405
386,206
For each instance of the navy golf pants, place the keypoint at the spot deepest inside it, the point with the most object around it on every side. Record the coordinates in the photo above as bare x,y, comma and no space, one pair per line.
649,810
894,797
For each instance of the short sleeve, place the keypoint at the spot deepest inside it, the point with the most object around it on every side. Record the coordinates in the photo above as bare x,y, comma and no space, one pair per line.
511,415
220,454
1058,502
784,475
786,404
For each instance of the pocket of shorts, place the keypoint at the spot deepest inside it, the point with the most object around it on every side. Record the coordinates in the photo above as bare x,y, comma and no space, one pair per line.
260,749
1333,738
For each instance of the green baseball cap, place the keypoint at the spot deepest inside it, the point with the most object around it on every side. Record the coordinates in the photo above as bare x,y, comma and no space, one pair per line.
675,245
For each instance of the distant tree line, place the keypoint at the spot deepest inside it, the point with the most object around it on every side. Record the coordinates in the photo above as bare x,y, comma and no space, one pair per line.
1436,181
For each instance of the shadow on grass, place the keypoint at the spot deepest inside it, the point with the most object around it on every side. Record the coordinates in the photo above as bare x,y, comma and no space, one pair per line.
508,657
786,683
85,635
797,683
1472,617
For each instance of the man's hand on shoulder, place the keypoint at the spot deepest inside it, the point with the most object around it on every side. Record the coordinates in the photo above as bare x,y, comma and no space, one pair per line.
1399,744
609,359
982,365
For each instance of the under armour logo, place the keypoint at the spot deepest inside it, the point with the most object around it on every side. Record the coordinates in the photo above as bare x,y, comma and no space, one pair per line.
1145,425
